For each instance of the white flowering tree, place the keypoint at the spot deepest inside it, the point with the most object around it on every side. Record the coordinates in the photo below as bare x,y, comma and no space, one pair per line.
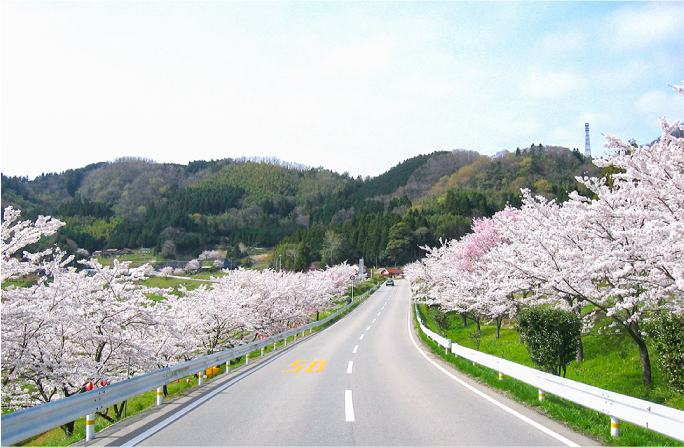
71,328
17,235
322,286
635,234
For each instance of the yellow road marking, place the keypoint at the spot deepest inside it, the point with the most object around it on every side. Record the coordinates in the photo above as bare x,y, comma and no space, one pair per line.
314,366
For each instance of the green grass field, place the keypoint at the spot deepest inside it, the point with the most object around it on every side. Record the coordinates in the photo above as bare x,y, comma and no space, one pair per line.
136,259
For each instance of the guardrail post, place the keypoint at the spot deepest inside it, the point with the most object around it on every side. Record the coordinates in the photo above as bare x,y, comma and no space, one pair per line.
542,395
262,352
274,346
501,376
90,426
227,366
247,360
160,395
200,379
614,427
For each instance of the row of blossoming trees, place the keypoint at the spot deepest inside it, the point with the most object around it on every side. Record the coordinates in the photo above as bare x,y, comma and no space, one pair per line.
619,255
97,324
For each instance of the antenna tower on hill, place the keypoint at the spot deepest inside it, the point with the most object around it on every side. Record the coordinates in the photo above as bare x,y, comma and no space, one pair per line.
587,145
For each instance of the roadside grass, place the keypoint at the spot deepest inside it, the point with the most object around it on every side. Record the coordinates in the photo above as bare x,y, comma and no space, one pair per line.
610,363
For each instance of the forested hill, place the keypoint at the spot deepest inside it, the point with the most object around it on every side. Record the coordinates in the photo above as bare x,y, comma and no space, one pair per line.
310,214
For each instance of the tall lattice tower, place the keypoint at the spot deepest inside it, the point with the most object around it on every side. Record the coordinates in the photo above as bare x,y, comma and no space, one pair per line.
587,145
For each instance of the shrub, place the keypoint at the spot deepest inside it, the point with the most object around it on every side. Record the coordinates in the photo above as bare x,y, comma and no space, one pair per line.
440,318
551,336
667,333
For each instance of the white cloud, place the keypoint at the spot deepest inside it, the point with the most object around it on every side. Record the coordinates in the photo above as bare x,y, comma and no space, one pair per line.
646,25
550,84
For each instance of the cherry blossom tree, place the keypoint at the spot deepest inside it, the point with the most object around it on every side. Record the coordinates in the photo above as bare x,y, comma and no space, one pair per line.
635,234
209,254
322,286
459,276
17,235
74,327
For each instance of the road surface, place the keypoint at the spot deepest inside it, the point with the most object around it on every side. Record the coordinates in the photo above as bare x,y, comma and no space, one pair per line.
363,381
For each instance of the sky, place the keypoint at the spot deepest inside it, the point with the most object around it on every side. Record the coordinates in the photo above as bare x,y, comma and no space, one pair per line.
354,87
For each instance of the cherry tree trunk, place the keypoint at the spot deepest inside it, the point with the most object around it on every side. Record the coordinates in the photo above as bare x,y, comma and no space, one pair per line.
580,351
68,428
645,362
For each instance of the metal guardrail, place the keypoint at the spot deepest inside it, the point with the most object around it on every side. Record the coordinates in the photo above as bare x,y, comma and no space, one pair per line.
24,424
442,341
659,418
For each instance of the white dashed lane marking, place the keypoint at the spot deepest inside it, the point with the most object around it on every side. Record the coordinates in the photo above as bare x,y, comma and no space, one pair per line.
348,406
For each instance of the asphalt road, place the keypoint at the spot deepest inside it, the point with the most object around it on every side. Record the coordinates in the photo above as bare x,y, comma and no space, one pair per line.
363,381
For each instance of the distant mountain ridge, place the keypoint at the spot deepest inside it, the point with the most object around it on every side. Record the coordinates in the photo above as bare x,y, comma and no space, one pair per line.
223,203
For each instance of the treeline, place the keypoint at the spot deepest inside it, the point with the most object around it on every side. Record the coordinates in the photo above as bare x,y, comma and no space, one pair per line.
311,214
390,237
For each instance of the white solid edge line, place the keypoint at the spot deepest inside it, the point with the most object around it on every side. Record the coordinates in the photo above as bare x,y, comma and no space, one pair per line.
350,365
348,406
523,418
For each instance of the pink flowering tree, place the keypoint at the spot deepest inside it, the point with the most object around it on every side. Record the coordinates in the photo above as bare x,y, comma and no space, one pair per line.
460,277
